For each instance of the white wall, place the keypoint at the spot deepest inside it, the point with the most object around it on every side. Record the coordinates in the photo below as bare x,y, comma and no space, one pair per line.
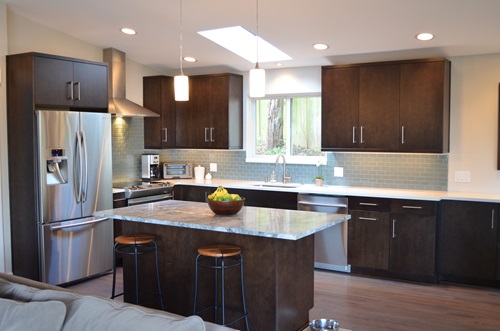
474,123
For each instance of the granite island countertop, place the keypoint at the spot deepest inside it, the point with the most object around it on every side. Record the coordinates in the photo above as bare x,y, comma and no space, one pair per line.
253,221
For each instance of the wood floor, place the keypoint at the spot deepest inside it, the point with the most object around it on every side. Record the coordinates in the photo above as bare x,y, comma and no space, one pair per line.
362,303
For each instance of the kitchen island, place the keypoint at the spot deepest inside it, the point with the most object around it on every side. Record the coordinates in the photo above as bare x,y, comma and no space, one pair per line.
277,245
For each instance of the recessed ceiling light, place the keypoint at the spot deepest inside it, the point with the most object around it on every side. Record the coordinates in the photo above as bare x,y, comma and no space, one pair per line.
128,31
320,47
242,42
189,59
425,36
279,64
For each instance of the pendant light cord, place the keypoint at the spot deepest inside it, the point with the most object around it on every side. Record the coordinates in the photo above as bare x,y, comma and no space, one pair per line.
257,39
180,58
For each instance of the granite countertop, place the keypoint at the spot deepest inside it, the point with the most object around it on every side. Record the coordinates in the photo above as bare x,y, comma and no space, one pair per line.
391,193
254,221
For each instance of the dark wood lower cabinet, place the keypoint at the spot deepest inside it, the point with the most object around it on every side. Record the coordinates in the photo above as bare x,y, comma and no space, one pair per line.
254,198
368,245
397,241
468,242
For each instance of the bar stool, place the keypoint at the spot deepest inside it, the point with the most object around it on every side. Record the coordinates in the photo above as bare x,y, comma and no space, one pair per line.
220,257
137,244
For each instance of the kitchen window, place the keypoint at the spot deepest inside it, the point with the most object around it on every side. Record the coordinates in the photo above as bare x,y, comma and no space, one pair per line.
286,125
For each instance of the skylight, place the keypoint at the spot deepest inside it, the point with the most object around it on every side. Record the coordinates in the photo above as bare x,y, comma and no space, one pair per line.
241,42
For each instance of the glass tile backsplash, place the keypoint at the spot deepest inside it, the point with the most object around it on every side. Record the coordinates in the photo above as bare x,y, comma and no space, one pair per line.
383,170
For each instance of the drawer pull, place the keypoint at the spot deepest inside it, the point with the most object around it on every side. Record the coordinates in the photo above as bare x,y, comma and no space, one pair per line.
394,228
368,204
412,207
367,218
354,135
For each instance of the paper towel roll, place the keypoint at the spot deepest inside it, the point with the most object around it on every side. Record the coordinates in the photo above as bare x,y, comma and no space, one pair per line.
199,173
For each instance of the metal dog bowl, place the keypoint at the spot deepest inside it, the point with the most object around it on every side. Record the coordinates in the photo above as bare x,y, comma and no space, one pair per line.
324,324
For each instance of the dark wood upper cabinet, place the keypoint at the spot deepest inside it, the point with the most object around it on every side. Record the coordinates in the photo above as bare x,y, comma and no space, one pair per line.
69,82
379,107
400,106
424,106
213,116
340,107
158,96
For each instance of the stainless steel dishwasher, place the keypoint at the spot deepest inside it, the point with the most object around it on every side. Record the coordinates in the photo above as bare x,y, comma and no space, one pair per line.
330,245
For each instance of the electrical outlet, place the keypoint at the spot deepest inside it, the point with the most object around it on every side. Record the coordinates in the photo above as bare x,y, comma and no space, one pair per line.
213,167
338,172
462,176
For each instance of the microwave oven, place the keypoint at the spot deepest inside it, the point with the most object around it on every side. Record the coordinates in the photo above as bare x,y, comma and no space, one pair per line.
177,170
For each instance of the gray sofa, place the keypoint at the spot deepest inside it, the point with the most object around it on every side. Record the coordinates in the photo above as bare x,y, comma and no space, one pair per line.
28,305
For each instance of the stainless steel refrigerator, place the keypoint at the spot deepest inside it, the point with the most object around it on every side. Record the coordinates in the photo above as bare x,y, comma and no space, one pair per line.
74,179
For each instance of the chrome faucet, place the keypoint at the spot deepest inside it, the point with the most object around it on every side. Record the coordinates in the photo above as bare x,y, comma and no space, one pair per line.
284,177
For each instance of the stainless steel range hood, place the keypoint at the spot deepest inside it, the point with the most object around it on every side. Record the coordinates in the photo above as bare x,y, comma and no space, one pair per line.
118,104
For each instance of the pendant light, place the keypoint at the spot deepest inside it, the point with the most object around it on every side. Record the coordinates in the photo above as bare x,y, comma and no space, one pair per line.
181,82
257,75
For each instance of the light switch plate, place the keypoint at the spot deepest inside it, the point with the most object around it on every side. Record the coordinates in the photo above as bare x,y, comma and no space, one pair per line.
213,167
338,172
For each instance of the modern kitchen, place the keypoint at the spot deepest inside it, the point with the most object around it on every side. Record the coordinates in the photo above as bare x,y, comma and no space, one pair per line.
423,213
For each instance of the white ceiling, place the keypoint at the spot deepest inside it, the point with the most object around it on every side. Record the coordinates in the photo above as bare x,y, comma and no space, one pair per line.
356,30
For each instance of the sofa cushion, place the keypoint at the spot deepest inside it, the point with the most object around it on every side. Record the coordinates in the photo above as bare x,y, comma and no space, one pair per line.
90,313
46,316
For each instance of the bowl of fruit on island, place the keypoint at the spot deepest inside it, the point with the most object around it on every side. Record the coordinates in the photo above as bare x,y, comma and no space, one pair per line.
224,203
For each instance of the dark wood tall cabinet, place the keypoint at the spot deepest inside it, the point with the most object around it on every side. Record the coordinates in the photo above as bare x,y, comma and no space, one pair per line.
400,106
41,81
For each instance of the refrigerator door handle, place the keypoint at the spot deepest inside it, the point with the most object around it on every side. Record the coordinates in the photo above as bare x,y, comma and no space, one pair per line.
59,227
78,168
85,178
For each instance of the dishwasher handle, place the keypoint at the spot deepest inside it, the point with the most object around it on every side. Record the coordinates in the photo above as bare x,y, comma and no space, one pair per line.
334,205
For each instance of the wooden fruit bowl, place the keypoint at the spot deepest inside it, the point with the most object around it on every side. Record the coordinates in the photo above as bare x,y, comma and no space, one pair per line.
226,207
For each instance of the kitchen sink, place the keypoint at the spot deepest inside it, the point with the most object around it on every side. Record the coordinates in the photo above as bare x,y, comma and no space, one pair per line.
280,185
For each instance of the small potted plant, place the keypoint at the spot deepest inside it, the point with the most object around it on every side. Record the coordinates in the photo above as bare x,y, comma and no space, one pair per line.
319,179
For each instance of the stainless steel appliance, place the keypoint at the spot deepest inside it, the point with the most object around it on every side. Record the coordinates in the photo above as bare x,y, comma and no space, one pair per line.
330,245
74,180
148,192
150,167
177,170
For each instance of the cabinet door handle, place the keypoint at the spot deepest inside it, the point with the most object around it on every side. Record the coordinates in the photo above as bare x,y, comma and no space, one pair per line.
367,218
212,134
206,135
394,228
165,135
361,139
493,219
368,204
353,134
77,85
412,207
70,87
402,134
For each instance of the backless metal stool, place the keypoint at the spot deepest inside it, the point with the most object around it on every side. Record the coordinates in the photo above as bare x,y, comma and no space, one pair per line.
220,257
137,244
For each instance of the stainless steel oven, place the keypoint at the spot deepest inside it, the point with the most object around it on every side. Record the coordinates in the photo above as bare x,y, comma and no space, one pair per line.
148,192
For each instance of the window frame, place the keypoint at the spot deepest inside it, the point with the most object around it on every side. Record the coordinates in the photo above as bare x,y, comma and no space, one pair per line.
251,134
